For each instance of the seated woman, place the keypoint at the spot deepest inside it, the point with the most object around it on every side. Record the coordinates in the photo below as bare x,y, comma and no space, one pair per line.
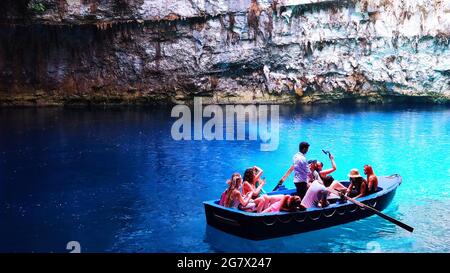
323,173
232,197
372,179
313,172
265,201
358,185
286,203
253,182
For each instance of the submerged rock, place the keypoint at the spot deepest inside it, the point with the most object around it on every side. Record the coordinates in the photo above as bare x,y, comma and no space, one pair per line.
139,51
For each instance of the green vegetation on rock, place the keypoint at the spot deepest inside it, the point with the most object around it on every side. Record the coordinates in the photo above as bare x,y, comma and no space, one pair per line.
36,6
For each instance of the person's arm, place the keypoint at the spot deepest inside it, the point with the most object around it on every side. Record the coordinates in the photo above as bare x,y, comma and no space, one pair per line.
306,165
258,174
324,173
259,188
372,181
323,201
349,189
243,200
246,188
283,200
310,175
363,190
292,168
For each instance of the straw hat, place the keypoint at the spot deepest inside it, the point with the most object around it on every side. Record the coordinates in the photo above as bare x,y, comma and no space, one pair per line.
354,173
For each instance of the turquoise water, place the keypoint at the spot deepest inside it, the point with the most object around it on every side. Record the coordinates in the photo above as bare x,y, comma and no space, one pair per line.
114,180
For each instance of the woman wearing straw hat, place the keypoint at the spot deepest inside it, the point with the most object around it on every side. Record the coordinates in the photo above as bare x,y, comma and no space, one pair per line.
358,185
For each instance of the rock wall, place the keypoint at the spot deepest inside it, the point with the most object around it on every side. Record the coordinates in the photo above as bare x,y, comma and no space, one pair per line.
141,51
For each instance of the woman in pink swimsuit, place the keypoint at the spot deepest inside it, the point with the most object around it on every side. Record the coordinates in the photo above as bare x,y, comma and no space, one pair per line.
254,184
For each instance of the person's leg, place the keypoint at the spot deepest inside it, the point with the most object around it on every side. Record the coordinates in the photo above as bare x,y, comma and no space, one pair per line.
276,206
268,200
259,200
298,188
301,189
337,186
275,198
260,203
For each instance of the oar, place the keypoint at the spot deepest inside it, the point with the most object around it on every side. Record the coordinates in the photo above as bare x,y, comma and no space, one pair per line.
377,212
286,175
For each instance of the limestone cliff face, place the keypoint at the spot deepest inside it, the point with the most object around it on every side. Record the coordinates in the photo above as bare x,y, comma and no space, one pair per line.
140,51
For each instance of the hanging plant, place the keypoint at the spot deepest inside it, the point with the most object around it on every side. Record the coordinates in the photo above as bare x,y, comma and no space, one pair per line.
37,6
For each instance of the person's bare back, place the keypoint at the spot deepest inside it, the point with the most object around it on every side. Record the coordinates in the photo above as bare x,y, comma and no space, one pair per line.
372,179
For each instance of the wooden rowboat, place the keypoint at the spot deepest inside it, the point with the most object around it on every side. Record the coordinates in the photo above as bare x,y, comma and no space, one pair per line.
259,226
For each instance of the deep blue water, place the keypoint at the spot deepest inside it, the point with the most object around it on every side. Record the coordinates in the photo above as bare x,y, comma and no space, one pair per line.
114,180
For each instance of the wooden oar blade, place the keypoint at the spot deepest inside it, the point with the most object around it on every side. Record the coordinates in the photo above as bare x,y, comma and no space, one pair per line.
377,212
398,223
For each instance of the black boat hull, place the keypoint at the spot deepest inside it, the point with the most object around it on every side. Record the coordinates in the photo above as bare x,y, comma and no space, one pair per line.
270,225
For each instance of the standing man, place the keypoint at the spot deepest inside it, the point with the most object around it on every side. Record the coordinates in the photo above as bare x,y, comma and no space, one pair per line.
301,169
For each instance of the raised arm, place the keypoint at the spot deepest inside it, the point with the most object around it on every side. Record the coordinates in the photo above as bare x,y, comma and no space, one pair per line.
324,173
259,172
